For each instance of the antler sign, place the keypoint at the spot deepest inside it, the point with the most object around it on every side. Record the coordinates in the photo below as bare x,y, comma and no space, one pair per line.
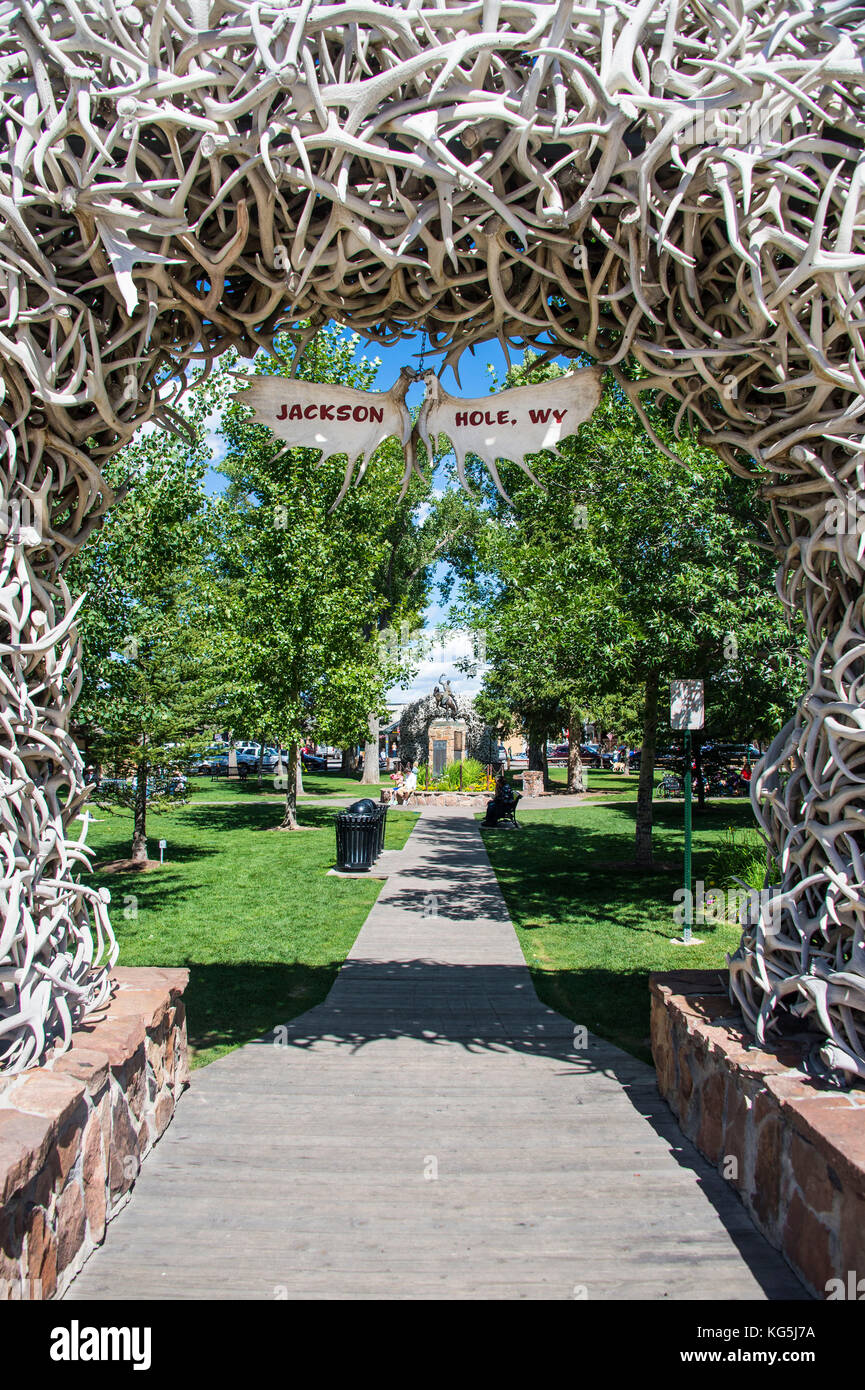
512,425
339,420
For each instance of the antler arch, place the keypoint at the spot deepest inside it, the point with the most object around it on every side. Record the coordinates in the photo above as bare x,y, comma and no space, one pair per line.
679,180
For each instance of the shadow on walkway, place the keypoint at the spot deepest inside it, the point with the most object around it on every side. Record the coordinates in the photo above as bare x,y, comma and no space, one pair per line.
493,1009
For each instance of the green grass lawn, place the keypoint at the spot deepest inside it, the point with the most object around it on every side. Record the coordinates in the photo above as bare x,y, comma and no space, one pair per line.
591,934
326,784
314,783
600,780
250,910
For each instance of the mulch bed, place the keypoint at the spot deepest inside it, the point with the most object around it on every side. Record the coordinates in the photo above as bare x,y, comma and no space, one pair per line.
127,866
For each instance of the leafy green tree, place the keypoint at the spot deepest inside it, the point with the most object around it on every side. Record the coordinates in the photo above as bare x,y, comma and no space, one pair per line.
625,571
309,584
152,677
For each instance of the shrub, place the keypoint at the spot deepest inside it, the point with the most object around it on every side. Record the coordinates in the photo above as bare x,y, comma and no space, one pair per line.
474,777
740,855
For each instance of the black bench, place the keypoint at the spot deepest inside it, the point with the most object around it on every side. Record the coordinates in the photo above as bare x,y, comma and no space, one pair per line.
509,811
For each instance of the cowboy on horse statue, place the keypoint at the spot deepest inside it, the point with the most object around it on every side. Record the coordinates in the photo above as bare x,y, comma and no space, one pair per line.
445,698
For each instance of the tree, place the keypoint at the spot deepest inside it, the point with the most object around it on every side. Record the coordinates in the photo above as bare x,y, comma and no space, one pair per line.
152,675
311,584
626,570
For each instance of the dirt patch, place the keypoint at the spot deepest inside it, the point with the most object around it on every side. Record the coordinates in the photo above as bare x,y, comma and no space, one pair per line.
127,866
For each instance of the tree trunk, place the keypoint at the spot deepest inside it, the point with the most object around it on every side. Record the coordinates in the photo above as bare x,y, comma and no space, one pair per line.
370,776
260,756
139,823
536,758
647,774
575,766
349,762
289,819
299,779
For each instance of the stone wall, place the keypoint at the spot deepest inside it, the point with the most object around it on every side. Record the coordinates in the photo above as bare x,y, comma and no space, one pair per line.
473,801
75,1130
794,1153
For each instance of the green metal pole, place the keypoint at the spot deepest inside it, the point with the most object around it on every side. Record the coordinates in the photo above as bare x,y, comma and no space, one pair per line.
689,901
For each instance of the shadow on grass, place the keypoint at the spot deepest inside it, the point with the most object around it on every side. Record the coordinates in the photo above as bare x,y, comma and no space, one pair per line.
251,815
178,852
552,868
576,910
229,1005
611,1003
155,889
201,788
229,815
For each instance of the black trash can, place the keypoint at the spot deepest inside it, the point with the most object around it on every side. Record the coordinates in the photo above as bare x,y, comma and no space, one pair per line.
358,835
367,807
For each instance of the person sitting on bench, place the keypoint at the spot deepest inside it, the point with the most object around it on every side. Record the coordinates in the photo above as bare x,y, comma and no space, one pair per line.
502,804
408,784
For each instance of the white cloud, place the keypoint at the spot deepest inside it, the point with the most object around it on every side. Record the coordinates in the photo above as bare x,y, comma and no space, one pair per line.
439,659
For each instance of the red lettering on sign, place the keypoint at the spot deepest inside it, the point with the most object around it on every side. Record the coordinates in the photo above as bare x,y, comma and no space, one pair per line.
560,415
476,417
295,413
376,413
325,412
343,412
283,414
359,413
539,417
462,418
311,412
502,417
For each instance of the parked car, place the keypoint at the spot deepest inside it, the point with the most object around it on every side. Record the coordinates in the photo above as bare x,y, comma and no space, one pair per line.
667,756
592,755
201,766
729,753
314,762
250,757
558,754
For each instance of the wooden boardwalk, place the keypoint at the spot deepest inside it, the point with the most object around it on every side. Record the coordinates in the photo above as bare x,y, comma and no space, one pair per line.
431,1132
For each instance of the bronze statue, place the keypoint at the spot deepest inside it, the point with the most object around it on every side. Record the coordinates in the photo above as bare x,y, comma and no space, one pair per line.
445,698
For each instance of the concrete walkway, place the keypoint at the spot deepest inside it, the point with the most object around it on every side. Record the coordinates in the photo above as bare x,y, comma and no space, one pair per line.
430,1131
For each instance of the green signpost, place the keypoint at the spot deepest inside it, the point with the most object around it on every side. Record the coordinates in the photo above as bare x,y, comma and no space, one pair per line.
687,712
689,899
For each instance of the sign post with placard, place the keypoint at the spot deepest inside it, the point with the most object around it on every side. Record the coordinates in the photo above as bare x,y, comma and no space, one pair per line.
687,712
